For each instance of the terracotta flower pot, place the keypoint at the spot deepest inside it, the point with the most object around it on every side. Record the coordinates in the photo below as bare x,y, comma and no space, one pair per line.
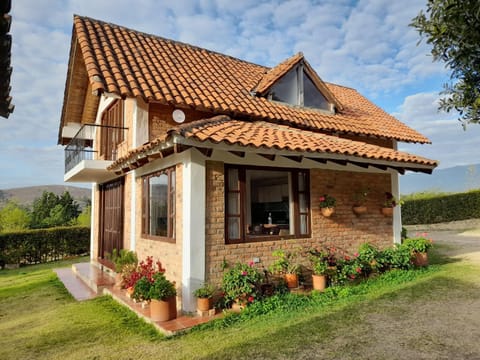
204,304
359,210
387,211
327,211
161,310
420,259
237,307
319,282
291,280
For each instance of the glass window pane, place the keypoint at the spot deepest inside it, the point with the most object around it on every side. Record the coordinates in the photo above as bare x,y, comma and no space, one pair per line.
312,97
301,181
234,228
158,205
233,204
303,202
303,224
233,183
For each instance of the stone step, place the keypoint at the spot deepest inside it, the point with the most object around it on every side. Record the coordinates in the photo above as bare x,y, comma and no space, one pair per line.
79,290
93,276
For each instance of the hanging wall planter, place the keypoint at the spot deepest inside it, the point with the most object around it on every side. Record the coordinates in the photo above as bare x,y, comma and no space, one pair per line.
387,211
327,211
359,210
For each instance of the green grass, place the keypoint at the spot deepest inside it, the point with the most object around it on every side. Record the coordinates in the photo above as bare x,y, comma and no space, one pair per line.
40,320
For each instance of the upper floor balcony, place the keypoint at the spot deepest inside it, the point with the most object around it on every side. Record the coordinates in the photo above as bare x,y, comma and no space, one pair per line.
91,151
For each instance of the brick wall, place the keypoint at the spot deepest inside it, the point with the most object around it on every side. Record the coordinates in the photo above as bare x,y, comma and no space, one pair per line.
344,229
169,254
160,118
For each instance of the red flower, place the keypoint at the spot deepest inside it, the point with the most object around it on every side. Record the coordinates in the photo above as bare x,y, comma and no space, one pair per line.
358,269
244,273
347,257
250,299
352,276
322,198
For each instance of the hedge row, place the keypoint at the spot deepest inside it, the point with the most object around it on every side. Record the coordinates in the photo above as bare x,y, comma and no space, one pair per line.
443,208
43,245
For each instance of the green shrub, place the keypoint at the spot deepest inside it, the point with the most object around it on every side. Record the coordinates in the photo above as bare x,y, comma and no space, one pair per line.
441,208
43,245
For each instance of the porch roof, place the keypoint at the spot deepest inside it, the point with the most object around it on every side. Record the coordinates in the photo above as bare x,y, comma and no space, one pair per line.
261,136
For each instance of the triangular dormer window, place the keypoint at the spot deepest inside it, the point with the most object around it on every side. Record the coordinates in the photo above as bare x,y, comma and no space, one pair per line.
295,82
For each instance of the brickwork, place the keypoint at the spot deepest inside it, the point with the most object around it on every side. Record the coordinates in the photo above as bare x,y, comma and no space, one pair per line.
344,229
170,254
160,118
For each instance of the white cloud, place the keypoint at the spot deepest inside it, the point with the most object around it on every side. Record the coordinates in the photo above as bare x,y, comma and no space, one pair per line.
365,44
451,145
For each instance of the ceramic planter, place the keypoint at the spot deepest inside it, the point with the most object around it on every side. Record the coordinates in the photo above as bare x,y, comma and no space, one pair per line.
204,304
359,210
387,211
420,259
163,310
319,282
291,280
327,211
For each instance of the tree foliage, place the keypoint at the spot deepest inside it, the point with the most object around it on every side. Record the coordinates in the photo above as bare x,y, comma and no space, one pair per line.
13,217
52,210
452,27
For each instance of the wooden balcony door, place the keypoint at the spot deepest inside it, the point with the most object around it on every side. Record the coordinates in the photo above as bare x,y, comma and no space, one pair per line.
111,217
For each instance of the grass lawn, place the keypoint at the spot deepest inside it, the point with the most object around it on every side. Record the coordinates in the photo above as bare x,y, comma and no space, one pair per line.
428,314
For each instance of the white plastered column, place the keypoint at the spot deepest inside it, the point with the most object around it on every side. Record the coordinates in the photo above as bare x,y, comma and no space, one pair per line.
397,212
93,231
193,249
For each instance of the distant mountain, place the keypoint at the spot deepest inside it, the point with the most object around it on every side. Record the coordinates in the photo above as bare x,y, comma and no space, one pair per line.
454,179
26,195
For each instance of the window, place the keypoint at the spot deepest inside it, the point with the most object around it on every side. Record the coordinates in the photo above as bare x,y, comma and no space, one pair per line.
112,134
296,88
266,204
158,204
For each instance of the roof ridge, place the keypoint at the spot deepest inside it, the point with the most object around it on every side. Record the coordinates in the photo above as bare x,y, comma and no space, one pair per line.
176,42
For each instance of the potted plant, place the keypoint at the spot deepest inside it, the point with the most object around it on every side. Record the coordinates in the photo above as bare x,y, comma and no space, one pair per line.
418,248
359,200
162,298
141,290
204,296
123,260
389,203
327,205
320,268
287,265
241,285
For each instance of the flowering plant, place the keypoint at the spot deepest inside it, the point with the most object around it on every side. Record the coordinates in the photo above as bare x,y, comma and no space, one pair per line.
327,201
147,268
322,261
418,244
390,201
360,197
242,283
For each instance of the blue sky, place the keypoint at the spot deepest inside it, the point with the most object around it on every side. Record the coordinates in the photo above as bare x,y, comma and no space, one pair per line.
366,45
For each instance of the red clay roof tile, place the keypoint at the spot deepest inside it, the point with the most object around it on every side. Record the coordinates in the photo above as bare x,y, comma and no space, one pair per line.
162,68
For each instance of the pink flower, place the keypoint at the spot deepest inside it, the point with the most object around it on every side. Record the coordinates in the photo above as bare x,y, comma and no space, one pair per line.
322,198
358,270
356,254
244,273
352,276
250,263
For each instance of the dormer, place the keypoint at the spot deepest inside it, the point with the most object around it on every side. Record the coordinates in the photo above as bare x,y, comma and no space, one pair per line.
294,82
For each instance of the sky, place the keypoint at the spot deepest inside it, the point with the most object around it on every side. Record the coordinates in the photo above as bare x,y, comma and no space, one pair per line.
365,44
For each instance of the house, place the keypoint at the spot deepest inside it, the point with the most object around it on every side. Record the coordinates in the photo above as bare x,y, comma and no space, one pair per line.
198,158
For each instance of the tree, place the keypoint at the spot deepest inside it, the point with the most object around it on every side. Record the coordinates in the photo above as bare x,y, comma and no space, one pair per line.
13,217
452,27
85,217
51,210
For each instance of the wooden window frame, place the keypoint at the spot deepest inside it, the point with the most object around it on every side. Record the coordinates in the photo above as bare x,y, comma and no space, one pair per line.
171,205
246,238
112,132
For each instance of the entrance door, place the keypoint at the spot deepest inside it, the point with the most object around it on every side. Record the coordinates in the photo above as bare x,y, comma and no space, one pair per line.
111,217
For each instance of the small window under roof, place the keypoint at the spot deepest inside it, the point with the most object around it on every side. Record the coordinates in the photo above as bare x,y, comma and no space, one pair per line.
296,88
